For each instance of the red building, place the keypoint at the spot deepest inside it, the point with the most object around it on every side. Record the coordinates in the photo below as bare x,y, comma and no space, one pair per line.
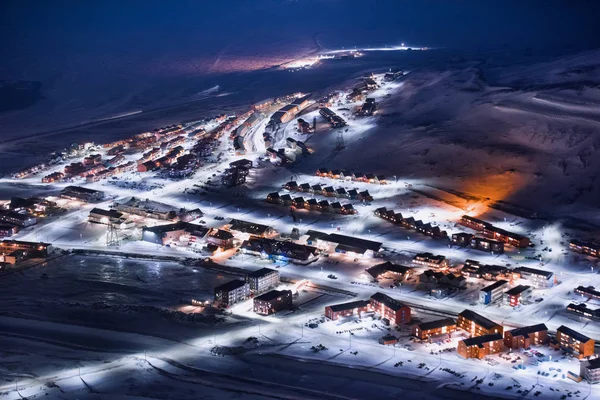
347,309
390,308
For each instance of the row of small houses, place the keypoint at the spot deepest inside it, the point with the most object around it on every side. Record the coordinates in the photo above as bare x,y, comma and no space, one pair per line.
410,223
351,176
311,204
329,191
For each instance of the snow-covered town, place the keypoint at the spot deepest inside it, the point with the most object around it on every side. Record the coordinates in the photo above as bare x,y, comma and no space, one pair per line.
408,222
244,240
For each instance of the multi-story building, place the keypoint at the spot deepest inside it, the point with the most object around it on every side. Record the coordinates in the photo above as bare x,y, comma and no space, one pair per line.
462,239
537,277
390,309
493,292
477,325
231,293
8,230
590,370
589,291
489,245
20,219
574,342
430,260
480,346
262,280
357,307
516,295
514,239
34,249
474,223
524,337
81,193
426,330
272,302
589,248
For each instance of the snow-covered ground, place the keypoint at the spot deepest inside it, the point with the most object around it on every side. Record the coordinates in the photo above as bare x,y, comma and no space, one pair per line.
520,156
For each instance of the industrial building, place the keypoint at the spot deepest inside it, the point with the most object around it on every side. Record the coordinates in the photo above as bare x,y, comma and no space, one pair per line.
231,293
147,208
522,338
477,325
273,302
354,247
175,233
279,250
262,280
108,217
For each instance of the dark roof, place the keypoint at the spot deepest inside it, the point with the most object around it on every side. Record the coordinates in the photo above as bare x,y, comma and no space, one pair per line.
494,285
480,340
349,306
478,319
314,235
106,213
387,301
517,290
574,334
273,294
231,285
476,220
221,234
80,189
362,244
426,326
248,227
594,363
261,272
526,330
504,232
546,274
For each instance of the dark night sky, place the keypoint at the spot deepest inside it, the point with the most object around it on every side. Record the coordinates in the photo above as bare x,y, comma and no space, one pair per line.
35,32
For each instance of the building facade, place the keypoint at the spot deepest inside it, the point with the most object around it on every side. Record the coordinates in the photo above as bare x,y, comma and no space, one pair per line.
272,302
521,338
231,293
477,325
390,309
480,346
430,329
262,280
